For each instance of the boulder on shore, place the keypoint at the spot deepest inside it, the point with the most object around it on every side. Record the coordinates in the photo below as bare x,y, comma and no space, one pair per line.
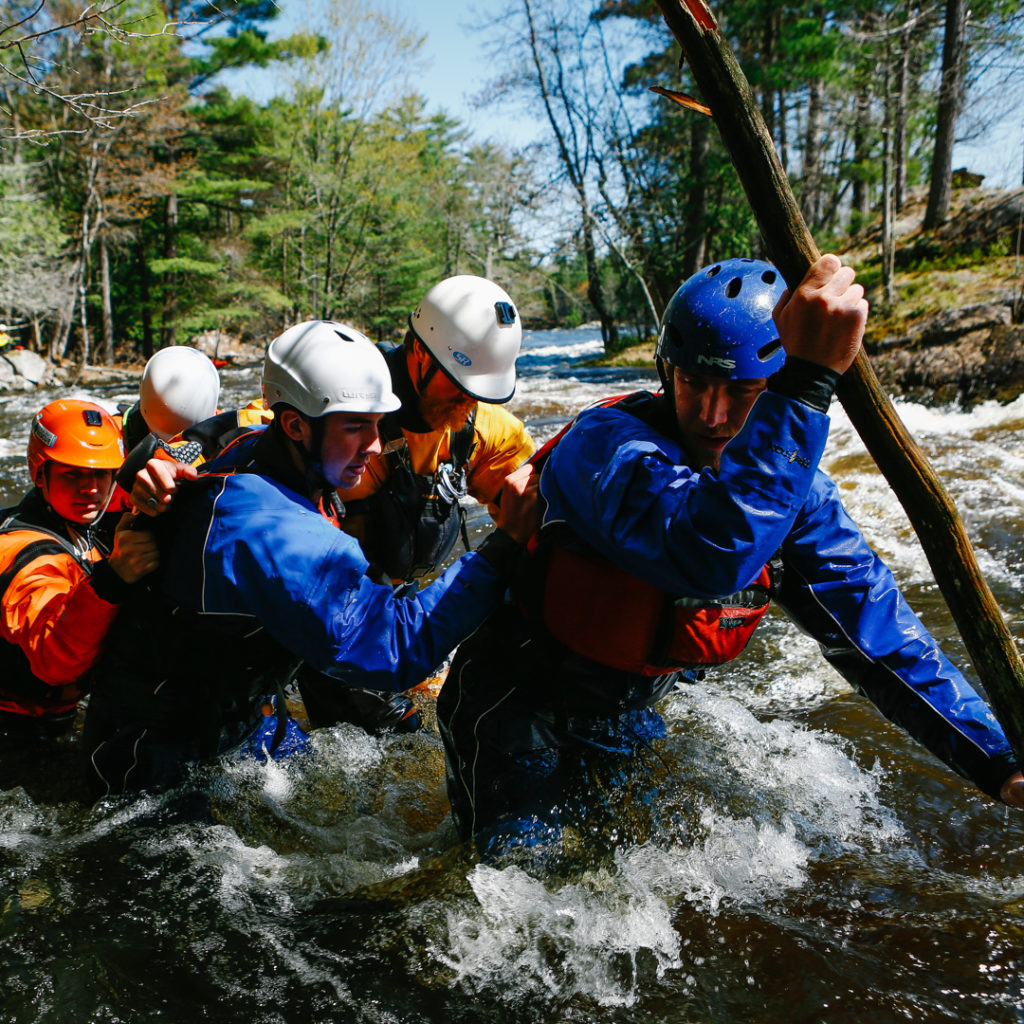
22,370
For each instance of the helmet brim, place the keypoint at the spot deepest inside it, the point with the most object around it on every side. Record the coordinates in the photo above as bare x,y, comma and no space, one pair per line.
492,388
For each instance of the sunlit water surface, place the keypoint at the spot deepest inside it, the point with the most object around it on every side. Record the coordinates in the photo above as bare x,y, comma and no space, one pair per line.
789,857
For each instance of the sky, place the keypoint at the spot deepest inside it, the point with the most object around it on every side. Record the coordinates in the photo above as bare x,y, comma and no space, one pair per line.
456,70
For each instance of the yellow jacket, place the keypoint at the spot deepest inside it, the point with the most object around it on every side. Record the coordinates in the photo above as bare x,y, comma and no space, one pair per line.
500,445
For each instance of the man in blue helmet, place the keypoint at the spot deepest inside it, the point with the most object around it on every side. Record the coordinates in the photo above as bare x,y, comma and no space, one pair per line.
670,522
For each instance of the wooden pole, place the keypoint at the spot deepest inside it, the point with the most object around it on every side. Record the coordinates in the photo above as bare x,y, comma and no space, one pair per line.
939,527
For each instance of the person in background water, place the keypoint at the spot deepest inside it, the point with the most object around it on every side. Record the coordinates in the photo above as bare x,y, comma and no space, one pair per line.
179,387
451,437
177,409
259,578
669,522
63,574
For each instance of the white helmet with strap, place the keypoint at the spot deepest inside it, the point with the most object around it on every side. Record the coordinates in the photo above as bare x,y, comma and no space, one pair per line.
472,328
180,386
320,366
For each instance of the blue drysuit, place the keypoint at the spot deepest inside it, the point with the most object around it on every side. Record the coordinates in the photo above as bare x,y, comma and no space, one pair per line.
617,484
255,580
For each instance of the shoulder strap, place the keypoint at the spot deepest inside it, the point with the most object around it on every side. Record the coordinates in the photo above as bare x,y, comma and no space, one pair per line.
460,447
29,553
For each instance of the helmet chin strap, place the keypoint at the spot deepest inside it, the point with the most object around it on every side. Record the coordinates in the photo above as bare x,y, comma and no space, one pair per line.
665,373
312,464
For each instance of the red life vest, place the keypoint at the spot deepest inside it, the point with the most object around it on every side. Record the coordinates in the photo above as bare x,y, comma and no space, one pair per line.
606,614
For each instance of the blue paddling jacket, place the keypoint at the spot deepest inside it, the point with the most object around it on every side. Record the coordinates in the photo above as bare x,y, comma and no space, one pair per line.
254,580
618,485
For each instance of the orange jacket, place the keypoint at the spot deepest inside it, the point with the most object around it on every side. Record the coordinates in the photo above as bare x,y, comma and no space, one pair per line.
52,614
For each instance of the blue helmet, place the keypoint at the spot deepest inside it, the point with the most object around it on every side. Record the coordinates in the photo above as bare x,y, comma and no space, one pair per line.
719,323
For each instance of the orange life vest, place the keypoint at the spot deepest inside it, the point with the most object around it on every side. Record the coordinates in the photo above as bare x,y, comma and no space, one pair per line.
606,614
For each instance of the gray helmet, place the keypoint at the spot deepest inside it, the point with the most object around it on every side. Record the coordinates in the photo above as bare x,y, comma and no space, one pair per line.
320,366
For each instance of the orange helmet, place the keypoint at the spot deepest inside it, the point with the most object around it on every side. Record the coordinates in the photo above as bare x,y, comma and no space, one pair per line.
75,434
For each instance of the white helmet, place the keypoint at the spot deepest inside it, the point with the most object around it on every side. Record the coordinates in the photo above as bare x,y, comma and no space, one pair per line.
320,366
472,328
180,386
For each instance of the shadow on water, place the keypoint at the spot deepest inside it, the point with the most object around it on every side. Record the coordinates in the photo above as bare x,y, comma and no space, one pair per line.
785,856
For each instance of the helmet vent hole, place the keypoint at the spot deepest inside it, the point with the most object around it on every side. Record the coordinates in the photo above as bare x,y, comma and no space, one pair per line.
345,337
769,277
732,289
765,352
714,270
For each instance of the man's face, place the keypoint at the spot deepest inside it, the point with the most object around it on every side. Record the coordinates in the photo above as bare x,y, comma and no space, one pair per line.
350,438
442,403
710,412
75,493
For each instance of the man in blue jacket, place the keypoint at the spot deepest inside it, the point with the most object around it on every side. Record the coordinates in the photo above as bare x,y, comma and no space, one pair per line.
258,578
669,524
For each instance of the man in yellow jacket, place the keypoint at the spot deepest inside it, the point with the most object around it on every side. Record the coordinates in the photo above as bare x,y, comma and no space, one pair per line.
450,438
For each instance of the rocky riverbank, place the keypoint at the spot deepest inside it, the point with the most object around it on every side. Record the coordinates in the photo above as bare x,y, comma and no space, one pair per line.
955,331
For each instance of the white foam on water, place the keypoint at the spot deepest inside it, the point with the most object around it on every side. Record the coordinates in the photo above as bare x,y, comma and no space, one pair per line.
24,825
778,771
524,938
748,807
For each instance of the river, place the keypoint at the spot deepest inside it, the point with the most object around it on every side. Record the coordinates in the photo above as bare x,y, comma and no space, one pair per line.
803,860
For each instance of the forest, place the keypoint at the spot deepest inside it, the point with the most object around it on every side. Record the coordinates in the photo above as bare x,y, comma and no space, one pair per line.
143,202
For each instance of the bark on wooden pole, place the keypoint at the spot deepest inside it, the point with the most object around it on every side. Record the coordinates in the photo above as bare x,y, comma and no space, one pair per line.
725,90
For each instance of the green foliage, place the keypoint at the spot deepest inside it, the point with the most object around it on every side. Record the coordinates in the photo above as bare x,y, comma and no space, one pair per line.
184,265
348,198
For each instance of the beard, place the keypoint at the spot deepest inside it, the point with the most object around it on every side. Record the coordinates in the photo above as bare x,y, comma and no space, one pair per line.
450,415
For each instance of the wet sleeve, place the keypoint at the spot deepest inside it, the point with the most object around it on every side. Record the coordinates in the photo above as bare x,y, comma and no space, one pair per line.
306,582
54,615
839,591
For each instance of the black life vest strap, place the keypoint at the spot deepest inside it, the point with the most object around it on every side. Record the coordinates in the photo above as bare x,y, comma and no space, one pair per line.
29,553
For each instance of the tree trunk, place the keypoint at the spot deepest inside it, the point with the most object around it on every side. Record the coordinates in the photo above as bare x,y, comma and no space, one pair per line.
860,205
888,236
170,283
899,126
697,205
953,48
108,310
145,300
810,200
595,287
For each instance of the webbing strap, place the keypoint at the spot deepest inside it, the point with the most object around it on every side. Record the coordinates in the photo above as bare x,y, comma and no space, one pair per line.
29,553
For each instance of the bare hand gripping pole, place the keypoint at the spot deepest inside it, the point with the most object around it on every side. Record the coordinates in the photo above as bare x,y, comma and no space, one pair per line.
939,527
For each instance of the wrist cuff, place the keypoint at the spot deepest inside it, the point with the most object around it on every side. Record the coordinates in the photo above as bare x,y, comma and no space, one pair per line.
106,584
809,383
501,551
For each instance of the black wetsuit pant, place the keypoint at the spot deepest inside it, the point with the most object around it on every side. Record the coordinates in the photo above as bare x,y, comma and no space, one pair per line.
536,737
